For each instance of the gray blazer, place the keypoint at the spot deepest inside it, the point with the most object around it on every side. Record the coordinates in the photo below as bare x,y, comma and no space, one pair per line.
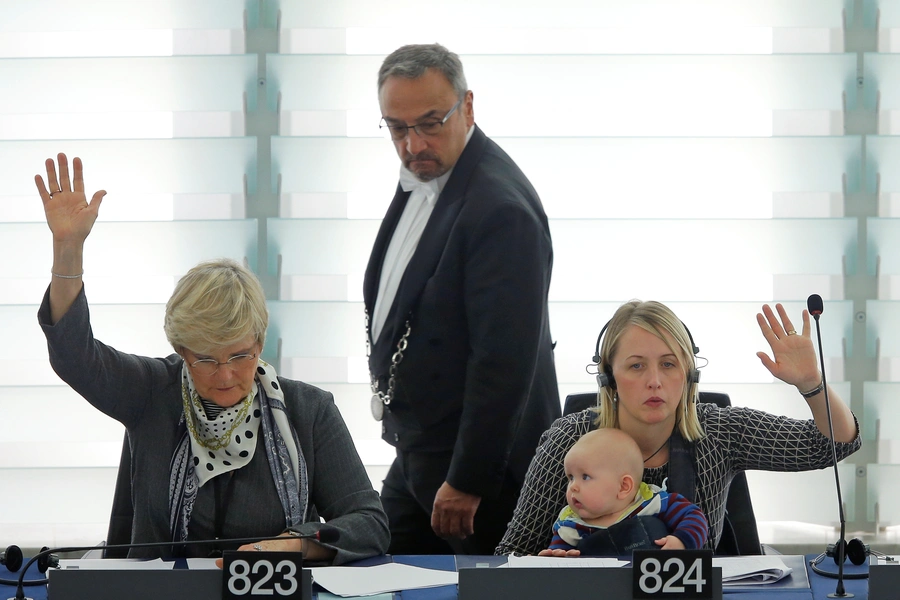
144,394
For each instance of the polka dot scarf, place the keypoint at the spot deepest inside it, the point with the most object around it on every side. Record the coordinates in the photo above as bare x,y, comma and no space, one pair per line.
212,446
225,442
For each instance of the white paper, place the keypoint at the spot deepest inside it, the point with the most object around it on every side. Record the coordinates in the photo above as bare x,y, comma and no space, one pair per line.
751,570
115,564
391,577
202,564
553,562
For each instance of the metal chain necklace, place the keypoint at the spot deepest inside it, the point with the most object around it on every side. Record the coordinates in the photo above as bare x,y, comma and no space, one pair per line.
381,400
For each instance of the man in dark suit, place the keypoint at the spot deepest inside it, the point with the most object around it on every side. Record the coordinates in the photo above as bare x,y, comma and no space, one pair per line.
456,302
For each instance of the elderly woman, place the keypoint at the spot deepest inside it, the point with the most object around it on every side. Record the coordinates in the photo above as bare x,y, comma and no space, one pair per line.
648,381
221,446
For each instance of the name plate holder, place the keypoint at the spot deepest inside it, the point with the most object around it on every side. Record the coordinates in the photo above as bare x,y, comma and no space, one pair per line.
537,583
137,584
884,578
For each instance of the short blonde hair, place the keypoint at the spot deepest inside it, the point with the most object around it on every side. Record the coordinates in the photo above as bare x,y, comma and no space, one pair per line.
658,319
216,304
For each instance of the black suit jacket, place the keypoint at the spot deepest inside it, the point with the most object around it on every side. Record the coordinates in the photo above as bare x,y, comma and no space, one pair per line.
477,377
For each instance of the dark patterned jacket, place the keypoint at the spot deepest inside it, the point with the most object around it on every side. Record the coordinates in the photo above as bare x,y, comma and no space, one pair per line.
736,439
144,394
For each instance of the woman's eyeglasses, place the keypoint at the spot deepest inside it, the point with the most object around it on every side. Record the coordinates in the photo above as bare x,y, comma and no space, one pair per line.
210,366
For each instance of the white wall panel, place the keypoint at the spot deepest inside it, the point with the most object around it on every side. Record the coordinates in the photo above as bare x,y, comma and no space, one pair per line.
631,95
665,178
694,152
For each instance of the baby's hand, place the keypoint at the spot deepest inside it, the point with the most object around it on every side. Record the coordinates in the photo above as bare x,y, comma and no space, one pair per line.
670,542
560,553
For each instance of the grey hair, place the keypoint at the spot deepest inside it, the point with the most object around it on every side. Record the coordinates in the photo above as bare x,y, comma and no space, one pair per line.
411,62
216,304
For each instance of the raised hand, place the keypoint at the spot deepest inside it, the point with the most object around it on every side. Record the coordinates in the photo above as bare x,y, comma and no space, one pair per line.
794,357
69,215
70,218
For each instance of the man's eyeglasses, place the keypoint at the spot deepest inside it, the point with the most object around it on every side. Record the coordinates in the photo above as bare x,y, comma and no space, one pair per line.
210,366
399,132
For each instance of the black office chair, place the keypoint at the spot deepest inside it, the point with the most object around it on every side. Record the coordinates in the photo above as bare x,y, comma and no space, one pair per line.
739,533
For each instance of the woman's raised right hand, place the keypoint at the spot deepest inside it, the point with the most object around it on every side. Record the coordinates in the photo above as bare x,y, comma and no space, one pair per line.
69,215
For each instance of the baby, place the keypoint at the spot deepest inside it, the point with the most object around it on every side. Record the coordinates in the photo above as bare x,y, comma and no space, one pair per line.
604,469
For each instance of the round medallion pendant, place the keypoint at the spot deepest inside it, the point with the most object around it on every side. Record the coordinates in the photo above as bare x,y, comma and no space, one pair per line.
377,407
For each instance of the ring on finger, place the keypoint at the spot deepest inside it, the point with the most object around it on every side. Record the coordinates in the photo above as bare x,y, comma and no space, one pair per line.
792,332
257,547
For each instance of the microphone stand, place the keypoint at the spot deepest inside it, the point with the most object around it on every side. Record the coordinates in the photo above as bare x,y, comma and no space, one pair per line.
839,591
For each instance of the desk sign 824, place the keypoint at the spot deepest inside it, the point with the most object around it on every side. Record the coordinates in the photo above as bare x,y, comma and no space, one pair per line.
248,575
672,574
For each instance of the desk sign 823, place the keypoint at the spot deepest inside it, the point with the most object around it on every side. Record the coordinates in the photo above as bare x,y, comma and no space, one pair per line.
249,575
672,574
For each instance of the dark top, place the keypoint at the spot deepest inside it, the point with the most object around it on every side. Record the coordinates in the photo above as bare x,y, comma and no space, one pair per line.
737,439
144,394
477,377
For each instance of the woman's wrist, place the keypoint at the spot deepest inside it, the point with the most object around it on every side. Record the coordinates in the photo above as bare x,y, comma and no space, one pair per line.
302,543
812,391
67,260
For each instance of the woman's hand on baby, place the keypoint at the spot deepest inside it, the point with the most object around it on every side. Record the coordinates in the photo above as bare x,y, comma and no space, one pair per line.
670,542
560,553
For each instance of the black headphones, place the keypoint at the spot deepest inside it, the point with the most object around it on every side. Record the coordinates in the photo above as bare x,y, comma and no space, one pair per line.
605,377
12,558
855,550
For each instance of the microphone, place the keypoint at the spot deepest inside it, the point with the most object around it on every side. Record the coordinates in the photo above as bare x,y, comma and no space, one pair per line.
815,306
325,535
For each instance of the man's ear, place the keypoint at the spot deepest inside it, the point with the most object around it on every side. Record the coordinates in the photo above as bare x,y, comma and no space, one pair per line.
626,487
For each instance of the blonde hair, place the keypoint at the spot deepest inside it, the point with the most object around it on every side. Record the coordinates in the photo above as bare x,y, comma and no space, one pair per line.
216,304
658,319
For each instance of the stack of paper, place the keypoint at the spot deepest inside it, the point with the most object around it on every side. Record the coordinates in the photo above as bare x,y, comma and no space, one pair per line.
391,577
544,562
751,570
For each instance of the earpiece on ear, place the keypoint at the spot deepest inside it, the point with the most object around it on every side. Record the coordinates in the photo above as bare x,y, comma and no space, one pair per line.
694,376
605,379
